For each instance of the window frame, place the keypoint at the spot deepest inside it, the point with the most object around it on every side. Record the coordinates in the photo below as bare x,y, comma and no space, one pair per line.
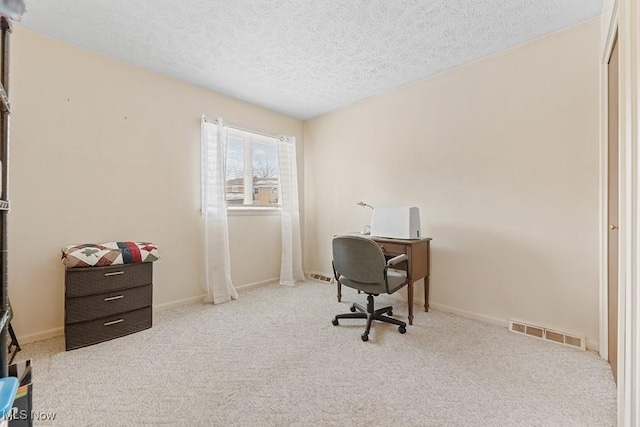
248,138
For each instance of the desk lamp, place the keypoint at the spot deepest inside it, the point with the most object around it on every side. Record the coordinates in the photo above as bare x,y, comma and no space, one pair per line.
363,204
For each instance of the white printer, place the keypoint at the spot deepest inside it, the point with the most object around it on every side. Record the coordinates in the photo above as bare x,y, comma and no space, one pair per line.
396,223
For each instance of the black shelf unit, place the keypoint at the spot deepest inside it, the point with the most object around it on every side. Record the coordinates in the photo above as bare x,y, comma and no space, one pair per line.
5,106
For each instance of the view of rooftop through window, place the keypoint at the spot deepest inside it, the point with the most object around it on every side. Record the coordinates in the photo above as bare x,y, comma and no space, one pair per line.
251,170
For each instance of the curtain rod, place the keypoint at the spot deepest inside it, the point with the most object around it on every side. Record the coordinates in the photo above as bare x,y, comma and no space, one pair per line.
215,121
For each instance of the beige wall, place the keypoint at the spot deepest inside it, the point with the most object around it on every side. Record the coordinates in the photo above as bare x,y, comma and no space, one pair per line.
102,150
501,157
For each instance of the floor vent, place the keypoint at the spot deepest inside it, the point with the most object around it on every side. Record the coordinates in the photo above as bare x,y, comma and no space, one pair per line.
548,334
320,277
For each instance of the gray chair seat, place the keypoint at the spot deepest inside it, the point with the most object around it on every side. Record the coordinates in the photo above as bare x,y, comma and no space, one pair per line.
397,279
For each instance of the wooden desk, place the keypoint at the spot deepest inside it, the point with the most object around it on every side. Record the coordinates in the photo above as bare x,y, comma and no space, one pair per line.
418,252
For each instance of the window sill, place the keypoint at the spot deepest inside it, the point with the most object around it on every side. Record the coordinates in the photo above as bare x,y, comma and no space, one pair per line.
252,211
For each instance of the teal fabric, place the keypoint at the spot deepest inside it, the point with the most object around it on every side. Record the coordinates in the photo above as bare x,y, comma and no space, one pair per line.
8,388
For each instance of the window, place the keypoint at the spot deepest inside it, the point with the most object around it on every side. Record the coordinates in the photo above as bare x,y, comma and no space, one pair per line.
251,170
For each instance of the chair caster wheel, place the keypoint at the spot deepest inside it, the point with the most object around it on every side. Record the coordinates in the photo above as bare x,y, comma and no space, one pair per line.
335,322
390,313
353,308
365,337
402,329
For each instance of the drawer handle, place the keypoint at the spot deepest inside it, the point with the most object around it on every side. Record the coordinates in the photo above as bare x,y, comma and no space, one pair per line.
117,273
382,247
114,322
114,298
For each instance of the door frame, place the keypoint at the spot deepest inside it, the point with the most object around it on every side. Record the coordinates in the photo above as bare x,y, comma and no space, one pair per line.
626,21
604,188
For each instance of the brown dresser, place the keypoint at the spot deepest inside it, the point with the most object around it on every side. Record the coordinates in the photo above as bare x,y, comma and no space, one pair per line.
102,303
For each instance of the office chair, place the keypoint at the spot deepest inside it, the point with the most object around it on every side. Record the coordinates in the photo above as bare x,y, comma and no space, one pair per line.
358,262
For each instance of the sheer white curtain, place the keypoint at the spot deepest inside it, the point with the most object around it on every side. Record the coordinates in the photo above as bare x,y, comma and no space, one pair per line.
291,265
217,275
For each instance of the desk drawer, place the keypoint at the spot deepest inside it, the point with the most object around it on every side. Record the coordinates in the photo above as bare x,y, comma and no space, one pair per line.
87,333
101,305
93,280
392,248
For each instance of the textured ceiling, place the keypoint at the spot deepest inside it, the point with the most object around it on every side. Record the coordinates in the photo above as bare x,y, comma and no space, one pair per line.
302,57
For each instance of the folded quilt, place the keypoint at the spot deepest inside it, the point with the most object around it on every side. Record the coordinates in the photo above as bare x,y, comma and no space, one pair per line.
110,253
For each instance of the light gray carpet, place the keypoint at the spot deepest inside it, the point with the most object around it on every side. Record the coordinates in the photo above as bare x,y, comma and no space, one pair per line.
273,358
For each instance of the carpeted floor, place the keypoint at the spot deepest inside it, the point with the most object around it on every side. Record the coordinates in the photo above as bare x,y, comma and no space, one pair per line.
273,358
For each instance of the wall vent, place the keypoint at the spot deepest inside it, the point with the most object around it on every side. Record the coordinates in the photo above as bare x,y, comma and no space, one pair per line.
320,277
548,334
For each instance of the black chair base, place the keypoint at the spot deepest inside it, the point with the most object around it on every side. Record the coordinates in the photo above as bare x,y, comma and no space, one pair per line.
14,346
371,314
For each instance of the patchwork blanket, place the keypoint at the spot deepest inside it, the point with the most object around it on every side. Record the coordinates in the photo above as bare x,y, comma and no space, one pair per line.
92,255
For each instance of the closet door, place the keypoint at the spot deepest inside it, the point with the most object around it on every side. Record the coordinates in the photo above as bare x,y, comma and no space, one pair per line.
613,210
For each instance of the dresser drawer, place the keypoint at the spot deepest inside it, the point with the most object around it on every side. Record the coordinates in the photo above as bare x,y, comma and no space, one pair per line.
96,306
93,280
392,248
87,333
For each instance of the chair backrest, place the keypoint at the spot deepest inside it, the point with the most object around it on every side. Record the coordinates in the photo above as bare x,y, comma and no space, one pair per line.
358,258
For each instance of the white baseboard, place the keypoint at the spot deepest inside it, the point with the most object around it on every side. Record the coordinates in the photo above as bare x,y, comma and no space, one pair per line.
471,315
590,344
56,332
177,303
171,304
257,284
39,336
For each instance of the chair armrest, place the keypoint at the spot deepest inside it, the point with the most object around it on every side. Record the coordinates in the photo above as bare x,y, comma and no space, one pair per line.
397,260
394,261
